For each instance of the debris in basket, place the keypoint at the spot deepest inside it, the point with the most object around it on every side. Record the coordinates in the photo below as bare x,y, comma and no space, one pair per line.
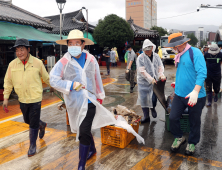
129,115
62,105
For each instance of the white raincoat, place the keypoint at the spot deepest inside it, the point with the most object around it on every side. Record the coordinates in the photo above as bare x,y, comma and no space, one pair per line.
68,70
146,71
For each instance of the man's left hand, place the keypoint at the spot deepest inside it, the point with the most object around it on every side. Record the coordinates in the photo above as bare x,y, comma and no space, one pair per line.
127,71
162,78
193,98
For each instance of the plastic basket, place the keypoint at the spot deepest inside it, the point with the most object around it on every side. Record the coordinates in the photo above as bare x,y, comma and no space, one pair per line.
184,122
118,137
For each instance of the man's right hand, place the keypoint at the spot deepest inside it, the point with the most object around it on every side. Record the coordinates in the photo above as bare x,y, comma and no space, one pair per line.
153,81
5,104
77,86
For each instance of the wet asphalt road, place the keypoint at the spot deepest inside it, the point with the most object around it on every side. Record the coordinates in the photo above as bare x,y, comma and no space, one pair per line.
156,136
155,132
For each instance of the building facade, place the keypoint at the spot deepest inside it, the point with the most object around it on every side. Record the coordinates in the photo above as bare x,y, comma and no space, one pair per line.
143,12
211,36
200,35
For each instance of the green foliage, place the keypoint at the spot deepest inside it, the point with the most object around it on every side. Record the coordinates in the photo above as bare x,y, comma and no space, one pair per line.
136,47
203,42
113,31
161,30
193,40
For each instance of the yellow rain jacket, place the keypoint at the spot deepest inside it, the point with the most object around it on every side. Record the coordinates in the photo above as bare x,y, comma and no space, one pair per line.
26,80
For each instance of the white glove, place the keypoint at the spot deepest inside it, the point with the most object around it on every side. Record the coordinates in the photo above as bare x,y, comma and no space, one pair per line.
127,71
78,86
153,81
193,98
162,78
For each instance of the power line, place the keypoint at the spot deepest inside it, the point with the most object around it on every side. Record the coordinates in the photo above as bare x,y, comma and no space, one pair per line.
171,17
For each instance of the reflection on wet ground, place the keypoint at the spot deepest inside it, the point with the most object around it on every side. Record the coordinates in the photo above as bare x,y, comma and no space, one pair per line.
58,149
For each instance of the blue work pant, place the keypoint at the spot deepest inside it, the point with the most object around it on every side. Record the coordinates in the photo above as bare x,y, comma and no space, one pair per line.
178,106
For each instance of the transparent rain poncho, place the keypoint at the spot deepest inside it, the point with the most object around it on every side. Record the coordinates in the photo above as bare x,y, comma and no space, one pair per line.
146,71
68,70
112,56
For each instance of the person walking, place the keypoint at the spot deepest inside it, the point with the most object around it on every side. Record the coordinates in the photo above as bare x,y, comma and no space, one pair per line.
213,60
77,76
149,70
112,57
131,67
189,91
106,54
24,75
116,56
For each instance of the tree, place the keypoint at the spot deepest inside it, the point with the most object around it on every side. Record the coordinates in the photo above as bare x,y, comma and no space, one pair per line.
112,31
193,40
161,30
203,42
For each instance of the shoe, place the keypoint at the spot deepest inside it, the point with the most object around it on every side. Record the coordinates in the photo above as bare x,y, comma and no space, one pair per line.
83,153
216,97
177,143
209,96
42,126
146,117
153,112
33,134
190,149
131,89
92,150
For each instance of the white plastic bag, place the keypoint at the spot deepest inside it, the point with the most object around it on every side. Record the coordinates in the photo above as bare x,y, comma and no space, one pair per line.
121,122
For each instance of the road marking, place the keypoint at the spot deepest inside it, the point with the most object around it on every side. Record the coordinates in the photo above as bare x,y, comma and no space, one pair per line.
110,82
20,149
20,114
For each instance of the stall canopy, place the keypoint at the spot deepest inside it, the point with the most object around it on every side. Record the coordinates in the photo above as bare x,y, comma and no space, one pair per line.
11,31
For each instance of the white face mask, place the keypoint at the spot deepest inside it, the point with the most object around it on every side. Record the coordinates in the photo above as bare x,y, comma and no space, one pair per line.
74,50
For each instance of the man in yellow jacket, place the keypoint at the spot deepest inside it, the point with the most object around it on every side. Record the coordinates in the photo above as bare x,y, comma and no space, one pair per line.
24,74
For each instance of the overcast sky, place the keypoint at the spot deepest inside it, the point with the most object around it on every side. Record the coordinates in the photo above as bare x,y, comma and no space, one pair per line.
100,8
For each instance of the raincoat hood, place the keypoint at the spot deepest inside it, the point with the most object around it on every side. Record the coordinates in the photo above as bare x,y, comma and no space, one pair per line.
148,43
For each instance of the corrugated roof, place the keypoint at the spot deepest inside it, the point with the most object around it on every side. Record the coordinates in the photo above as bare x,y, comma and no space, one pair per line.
14,14
142,32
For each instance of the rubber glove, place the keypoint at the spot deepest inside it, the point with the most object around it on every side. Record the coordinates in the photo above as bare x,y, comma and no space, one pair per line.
5,105
127,71
100,101
193,98
162,78
153,81
78,86
173,85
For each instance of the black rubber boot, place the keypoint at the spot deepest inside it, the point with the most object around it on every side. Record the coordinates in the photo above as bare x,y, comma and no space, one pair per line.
83,153
131,89
209,96
153,112
42,126
33,134
146,117
107,73
216,97
92,150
